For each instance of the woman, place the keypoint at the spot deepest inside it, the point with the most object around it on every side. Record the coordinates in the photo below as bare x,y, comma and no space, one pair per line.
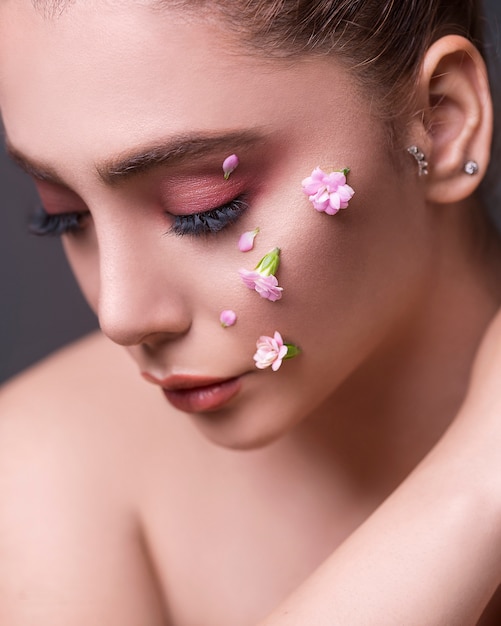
238,183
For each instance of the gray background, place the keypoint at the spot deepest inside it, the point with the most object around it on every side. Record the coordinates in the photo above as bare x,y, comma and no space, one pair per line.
40,305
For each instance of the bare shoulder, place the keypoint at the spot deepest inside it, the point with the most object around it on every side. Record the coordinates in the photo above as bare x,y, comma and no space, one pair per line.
69,533
88,402
92,361
83,390
78,406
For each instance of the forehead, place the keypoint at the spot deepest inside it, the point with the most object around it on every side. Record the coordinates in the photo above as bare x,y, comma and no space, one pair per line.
102,76
107,43
51,9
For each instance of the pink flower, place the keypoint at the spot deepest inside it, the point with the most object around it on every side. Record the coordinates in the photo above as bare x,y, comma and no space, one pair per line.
262,279
246,241
229,165
270,351
227,318
328,192
266,286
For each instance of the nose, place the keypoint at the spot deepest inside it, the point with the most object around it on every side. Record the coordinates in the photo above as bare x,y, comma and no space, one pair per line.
142,292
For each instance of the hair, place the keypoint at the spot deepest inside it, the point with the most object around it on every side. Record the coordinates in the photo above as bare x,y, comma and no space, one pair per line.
490,190
381,42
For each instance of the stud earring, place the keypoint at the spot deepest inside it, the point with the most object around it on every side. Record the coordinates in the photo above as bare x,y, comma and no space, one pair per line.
420,158
471,168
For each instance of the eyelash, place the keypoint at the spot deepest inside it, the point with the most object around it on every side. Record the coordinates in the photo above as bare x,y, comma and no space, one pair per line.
208,222
43,224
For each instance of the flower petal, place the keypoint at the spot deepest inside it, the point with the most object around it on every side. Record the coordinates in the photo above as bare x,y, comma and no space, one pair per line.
249,278
267,287
246,241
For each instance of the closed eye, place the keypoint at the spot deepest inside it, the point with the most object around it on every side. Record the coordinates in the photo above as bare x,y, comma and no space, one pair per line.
208,222
43,224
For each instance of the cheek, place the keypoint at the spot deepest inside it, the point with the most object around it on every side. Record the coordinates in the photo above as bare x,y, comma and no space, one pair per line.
348,279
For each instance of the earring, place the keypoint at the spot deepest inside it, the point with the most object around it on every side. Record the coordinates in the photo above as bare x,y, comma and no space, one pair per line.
420,158
471,168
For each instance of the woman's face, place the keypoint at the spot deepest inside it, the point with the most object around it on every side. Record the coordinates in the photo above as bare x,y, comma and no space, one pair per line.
128,112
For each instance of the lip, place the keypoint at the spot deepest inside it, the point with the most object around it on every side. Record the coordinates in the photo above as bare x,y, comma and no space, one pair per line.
196,394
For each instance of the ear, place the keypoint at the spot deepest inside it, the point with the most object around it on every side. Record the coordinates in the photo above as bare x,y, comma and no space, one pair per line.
457,121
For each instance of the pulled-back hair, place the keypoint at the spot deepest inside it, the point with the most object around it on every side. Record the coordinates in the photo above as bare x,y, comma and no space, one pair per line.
381,41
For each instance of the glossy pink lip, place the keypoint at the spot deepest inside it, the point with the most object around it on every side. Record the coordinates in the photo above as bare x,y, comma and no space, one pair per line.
195,395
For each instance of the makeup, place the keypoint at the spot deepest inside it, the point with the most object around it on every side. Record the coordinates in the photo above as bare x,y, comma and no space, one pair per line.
197,395
227,318
328,192
229,165
246,240
262,278
271,351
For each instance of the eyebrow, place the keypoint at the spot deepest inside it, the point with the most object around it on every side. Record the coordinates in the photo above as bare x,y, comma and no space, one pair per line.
175,151
31,167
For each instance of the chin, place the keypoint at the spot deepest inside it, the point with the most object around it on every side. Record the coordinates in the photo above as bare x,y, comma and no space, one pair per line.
235,433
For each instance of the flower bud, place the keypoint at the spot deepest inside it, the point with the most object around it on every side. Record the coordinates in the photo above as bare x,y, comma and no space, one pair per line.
229,165
227,318
269,263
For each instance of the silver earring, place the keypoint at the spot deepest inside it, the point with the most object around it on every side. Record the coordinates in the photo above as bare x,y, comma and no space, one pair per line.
471,168
420,158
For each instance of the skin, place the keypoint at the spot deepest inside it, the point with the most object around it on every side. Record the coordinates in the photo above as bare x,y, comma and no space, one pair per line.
370,295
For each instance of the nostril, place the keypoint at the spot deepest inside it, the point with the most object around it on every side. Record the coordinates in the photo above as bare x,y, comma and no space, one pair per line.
151,341
141,322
